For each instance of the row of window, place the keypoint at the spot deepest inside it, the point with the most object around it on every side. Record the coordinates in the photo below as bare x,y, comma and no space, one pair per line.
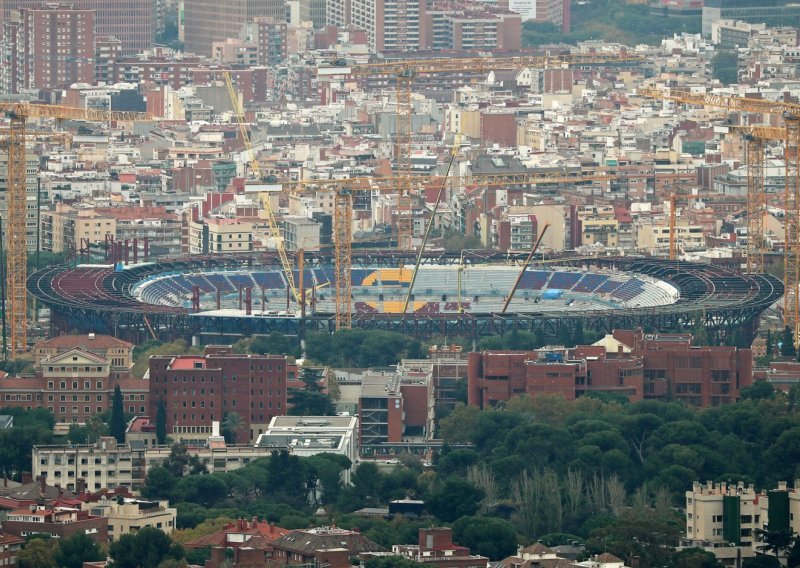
185,379
87,410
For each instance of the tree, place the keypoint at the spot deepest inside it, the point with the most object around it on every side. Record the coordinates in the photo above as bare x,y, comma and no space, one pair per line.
460,426
161,422
487,536
391,562
455,499
232,424
179,462
761,562
310,400
146,548
787,342
699,331
159,484
89,432
117,421
759,390
578,337
769,345
72,552
695,558
38,553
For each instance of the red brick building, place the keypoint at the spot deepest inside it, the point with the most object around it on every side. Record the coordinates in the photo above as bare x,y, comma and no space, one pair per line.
200,389
58,522
54,46
630,363
10,546
130,21
436,548
251,542
75,378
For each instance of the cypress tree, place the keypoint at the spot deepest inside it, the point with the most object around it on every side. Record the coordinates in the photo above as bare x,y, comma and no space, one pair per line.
117,420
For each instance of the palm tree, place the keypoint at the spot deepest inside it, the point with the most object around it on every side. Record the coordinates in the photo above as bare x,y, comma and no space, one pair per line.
232,423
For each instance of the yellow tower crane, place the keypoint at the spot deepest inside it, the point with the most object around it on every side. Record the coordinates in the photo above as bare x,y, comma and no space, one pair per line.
404,73
755,137
16,245
255,168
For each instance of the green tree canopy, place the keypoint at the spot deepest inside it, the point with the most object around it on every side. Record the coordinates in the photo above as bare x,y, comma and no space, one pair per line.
455,499
38,553
146,548
72,552
488,536
117,424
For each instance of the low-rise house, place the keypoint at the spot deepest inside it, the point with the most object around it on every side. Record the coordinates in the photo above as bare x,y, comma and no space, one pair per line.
322,545
251,542
55,521
126,515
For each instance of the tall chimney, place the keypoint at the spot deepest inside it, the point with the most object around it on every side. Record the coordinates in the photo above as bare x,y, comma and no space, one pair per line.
42,484
215,428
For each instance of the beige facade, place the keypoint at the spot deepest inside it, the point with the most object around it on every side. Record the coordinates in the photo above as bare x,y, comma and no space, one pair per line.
600,231
725,518
118,352
93,227
104,465
108,465
467,122
220,236
131,515
300,233
655,237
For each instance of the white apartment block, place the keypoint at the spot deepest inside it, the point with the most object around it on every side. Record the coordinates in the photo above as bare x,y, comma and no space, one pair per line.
391,25
725,518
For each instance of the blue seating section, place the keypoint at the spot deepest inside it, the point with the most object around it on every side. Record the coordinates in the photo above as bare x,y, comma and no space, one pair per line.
589,283
269,280
241,281
534,280
564,280
608,286
357,275
176,289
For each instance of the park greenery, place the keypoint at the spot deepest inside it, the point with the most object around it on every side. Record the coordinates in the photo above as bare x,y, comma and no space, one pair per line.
608,474
612,21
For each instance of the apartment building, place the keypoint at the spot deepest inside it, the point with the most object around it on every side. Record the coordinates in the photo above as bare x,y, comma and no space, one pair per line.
56,522
207,21
725,518
300,233
391,25
10,546
52,45
104,464
132,22
126,515
220,236
556,12
199,390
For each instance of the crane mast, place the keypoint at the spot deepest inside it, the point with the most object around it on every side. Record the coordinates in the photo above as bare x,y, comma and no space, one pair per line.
272,223
16,243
